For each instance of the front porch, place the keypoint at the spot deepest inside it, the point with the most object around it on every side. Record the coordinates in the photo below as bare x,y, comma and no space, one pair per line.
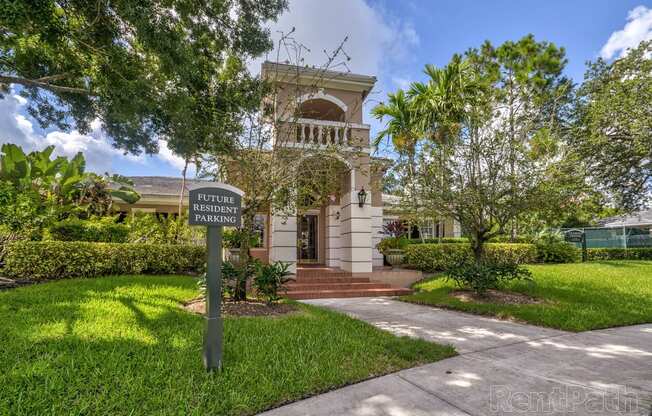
318,281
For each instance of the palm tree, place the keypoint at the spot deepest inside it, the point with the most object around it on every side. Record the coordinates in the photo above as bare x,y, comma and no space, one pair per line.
438,105
400,128
402,131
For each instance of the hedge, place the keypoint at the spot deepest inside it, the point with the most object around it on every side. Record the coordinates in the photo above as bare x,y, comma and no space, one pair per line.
95,231
444,240
594,254
521,239
440,257
62,259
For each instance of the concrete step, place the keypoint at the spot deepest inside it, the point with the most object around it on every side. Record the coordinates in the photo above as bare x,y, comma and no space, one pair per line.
301,287
350,293
330,279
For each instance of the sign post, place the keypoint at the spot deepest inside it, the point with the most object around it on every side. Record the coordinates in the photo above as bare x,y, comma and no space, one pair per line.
577,236
214,205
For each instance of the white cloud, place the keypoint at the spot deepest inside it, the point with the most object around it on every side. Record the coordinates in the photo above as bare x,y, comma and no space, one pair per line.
166,155
375,38
401,82
637,29
100,155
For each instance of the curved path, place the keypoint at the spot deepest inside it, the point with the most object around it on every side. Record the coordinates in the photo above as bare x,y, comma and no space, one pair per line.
503,368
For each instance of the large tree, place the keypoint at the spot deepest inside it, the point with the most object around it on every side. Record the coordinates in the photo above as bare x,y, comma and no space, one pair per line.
276,173
613,125
145,69
504,128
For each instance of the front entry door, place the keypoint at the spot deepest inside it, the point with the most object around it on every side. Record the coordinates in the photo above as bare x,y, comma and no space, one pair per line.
307,239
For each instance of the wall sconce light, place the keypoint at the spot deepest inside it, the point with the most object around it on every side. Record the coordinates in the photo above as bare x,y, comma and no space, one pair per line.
362,197
337,215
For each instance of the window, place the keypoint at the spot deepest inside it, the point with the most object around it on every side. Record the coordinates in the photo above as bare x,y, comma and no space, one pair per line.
259,224
428,229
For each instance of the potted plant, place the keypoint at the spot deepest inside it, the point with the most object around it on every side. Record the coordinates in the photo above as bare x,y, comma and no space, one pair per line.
393,247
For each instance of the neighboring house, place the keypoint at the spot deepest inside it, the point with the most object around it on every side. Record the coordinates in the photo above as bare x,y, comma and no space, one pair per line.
341,233
637,219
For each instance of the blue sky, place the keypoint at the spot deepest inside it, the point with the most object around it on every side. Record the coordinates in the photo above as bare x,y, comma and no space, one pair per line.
393,40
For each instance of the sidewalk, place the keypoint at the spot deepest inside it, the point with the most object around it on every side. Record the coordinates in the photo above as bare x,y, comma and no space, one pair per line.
503,368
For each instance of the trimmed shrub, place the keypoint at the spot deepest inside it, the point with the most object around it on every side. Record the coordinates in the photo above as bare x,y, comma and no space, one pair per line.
596,254
521,239
441,257
392,243
62,259
557,252
104,231
491,275
444,240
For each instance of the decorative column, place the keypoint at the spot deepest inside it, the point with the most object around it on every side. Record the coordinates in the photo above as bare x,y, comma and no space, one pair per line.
355,232
332,240
283,245
376,234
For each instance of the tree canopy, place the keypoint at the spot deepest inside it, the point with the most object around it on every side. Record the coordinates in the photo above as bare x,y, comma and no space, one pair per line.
613,125
146,69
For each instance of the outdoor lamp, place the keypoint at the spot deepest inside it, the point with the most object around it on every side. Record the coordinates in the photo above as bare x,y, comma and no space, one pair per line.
362,197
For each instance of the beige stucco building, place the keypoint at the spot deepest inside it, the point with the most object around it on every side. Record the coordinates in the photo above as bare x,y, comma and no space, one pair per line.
316,108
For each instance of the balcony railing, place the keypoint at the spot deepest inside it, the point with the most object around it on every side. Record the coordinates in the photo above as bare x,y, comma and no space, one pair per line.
311,132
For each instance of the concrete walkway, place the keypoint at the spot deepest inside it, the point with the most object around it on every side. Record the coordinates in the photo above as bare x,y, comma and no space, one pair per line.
503,368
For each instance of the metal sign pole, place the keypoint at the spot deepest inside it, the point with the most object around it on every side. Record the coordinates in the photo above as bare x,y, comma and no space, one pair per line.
214,328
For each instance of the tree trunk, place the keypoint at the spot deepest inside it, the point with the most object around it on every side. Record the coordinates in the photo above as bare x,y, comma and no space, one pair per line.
246,235
477,245
183,186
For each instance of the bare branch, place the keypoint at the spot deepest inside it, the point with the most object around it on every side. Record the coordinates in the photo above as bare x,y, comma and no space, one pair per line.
40,84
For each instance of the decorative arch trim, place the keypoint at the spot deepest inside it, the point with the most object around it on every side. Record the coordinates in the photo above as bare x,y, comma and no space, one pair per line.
321,95
337,156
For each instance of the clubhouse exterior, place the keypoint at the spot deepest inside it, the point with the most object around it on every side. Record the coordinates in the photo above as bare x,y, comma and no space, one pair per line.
342,233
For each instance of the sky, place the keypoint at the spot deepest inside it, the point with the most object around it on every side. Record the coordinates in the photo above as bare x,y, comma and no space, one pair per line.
390,39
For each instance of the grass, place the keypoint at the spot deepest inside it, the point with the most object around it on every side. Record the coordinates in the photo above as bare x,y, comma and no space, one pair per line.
579,297
122,345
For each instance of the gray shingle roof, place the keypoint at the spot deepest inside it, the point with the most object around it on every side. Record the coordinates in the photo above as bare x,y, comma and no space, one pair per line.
636,218
161,185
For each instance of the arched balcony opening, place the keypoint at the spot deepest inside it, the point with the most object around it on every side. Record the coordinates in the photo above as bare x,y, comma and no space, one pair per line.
321,109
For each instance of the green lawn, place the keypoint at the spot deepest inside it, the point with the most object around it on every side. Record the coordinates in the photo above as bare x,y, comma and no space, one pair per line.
122,345
578,297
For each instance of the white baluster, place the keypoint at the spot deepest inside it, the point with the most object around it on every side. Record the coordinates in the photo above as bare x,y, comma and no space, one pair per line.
303,133
336,139
310,132
320,134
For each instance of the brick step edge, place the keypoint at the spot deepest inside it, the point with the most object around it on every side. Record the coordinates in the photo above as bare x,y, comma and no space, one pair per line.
328,279
348,293
323,274
301,287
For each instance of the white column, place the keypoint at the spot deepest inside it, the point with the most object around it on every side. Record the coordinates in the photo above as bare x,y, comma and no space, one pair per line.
376,234
457,230
355,234
283,246
332,238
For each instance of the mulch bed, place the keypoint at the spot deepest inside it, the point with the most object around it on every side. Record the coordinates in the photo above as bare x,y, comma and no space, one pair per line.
495,296
246,308
6,284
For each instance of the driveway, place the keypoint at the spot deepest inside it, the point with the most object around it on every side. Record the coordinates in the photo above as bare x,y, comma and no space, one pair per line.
503,368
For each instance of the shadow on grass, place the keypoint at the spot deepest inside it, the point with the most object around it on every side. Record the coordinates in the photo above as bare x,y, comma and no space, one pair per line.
119,344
